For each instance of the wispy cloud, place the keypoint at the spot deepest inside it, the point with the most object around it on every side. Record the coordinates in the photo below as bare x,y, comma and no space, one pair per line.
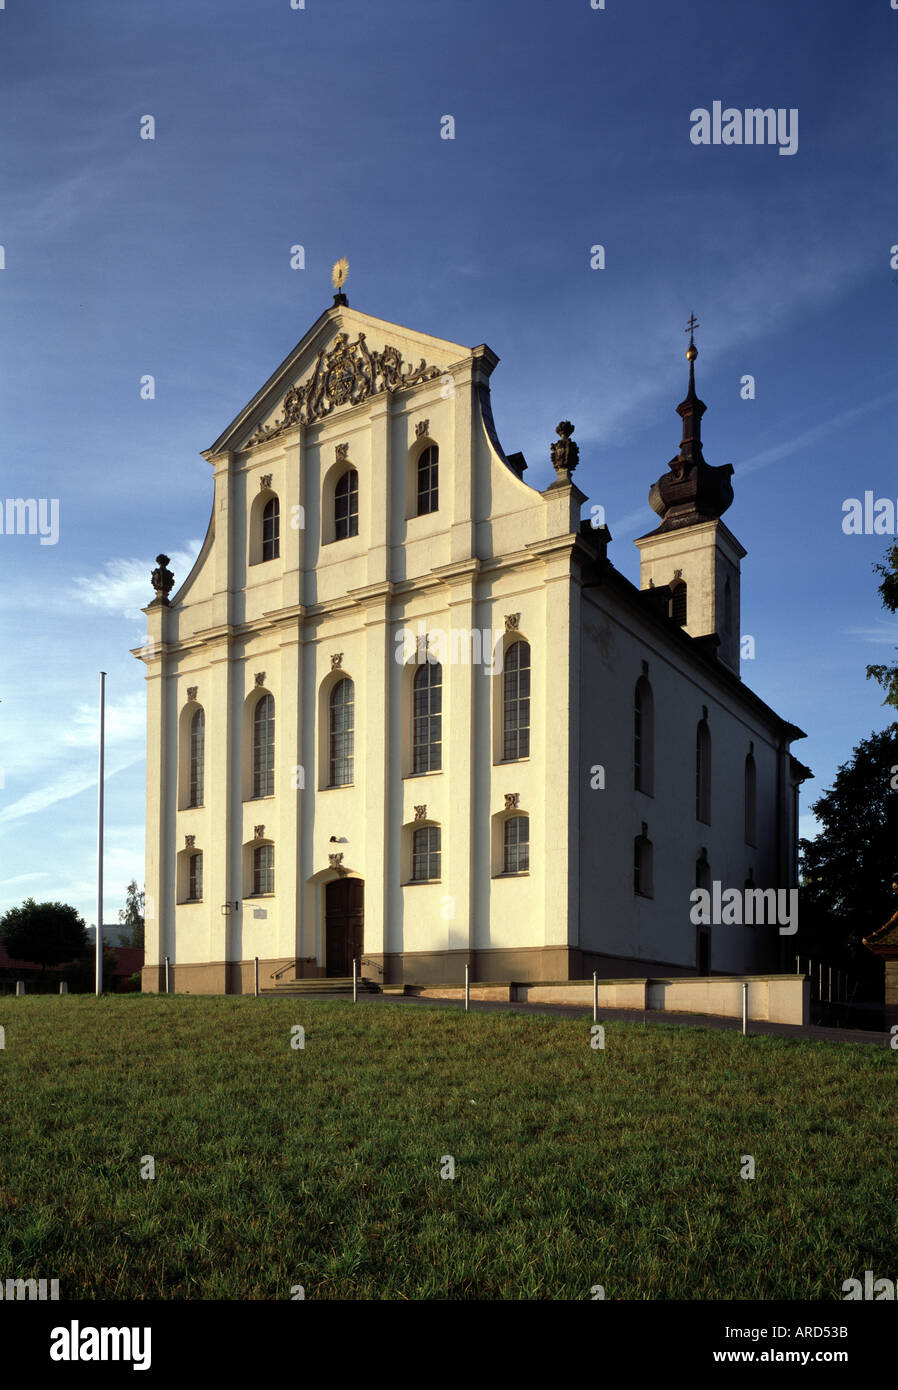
125,723
69,783
813,435
22,878
123,586
885,633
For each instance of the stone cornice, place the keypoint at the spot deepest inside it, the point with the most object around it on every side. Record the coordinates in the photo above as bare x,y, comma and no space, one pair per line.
458,569
443,577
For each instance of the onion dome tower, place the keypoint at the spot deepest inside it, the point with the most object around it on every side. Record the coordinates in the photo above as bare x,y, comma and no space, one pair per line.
692,559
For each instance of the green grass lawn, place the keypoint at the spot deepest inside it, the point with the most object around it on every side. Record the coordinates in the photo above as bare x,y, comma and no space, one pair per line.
321,1167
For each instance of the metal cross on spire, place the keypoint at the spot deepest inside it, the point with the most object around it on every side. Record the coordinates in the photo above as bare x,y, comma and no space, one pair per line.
692,325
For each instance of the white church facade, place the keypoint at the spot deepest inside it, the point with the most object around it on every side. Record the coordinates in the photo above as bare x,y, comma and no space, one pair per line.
404,709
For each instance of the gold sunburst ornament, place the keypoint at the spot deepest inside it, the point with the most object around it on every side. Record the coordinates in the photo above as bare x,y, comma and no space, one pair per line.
339,273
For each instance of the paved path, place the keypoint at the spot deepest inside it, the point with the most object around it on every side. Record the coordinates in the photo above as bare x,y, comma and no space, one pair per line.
814,1032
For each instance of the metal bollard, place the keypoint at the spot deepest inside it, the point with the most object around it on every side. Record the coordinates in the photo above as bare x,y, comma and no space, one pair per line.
256,976
467,987
745,1009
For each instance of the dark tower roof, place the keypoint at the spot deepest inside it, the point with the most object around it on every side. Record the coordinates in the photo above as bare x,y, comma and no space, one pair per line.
691,490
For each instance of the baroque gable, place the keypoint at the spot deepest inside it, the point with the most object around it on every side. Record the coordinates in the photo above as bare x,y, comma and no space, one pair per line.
345,358
344,374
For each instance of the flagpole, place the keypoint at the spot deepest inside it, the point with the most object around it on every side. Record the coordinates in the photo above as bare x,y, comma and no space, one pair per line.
99,964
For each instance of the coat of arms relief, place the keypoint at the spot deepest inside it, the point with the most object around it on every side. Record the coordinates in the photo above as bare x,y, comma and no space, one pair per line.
344,375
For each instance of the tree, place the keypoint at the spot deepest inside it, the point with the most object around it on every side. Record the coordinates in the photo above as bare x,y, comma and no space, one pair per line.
81,975
132,915
888,589
47,933
847,871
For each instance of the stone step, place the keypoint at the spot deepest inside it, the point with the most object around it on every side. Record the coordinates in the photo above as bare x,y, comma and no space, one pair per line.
333,985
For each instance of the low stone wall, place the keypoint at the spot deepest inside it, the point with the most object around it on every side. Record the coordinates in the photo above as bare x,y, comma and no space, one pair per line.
494,993
771,998
613,994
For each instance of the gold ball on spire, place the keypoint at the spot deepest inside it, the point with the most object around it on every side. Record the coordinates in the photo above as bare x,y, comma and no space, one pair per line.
691,352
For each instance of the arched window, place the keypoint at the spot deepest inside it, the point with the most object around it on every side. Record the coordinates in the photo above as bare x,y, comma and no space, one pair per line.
643,737
341,734
516,847
271,529
643,865
263,869
197,758
195,877
751,800
703,772
426,853
427,726
703,932
428,480
516,703
679,602
346,505
263,747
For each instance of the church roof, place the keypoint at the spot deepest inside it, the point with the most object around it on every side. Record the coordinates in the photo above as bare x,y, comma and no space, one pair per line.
698,648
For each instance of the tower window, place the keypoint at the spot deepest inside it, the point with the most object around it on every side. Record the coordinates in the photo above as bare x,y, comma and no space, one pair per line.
679,602
728,606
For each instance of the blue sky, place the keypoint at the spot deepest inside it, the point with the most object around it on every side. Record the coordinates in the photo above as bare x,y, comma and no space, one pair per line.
321,127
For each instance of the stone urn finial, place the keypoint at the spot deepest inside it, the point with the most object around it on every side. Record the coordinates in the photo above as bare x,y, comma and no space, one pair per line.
565,452
162,579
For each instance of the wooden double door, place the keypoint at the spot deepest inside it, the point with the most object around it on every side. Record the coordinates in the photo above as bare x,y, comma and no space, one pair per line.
344,924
